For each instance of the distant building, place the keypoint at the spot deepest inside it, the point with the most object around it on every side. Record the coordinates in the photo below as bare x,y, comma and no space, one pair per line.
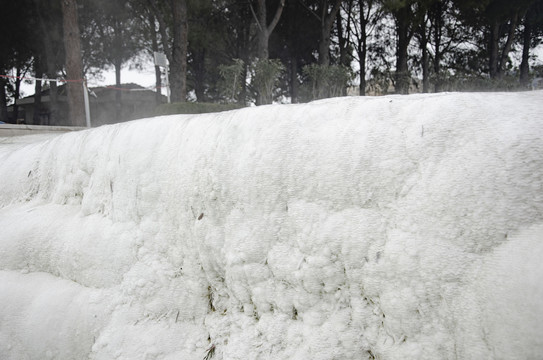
105,106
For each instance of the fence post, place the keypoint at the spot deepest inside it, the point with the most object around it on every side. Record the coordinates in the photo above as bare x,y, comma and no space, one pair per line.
87,106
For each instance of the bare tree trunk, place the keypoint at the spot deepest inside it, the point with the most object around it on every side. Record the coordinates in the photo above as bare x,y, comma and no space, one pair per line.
74,66
199,56
437,25
242,41
3,101
425,61
493,50
294,79
402,71
524,65
244,56
161,28
509,42
53,115
17,94
118,93
263,35
343,40
327,20
49,46
264,32
293,46
265,29
362,64
178,66
362,45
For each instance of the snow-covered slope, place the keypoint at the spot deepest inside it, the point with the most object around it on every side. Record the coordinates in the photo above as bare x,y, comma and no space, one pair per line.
354,228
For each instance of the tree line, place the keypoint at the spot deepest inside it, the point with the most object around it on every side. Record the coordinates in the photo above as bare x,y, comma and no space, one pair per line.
262,50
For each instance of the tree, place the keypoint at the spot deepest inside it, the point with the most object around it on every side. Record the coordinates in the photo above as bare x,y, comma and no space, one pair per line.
154,49
438,29
433,31
423,36
74,66
459,42
91,21
16,48
328,11
48,55
178,64
531,37
118,31
325,13
407,17
498,21
3,101
266,71
265,29
152,30
236,18
295,42
209,48
172,17
343,33
365,16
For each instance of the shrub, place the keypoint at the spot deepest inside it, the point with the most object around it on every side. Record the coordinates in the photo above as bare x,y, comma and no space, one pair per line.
231,83
327,80
266,74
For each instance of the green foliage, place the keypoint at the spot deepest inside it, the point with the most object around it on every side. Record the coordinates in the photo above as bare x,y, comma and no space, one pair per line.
266,75
206,49
116,26
316,75
395,5
339,77
380,81
19,38
327,80
538,71
193,108
232,80
480,83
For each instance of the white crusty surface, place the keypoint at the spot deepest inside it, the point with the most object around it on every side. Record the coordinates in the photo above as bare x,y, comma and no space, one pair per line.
398,227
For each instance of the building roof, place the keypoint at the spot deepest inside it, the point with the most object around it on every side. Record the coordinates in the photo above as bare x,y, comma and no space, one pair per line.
104,92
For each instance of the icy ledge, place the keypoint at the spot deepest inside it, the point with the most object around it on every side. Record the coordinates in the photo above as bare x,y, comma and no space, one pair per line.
355,228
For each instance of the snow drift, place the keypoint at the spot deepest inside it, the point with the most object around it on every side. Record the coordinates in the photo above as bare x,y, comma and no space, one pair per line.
353,228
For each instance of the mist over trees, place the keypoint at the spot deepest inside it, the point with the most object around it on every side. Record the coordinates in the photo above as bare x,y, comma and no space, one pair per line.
290,50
